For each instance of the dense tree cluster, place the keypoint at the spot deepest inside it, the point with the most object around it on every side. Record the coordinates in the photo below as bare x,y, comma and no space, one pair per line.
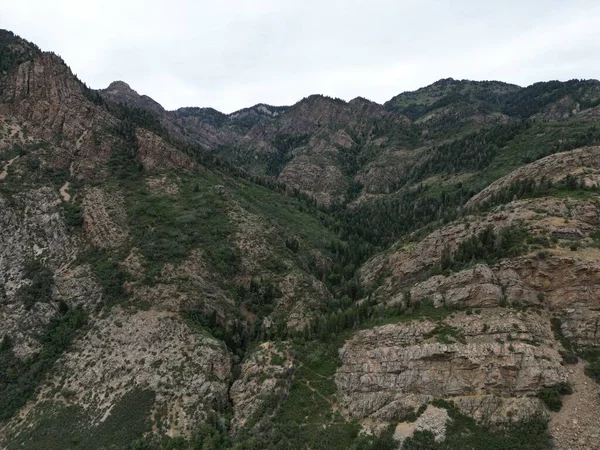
530,100
471,153
384,221
284,144
39,289
487,246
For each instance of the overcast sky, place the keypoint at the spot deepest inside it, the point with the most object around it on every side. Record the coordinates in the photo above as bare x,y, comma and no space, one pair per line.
232,54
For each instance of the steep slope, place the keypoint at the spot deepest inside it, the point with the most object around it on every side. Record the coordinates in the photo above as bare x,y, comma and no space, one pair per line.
154,296
121,92
132,276
311,146
444,92
339,152
538,256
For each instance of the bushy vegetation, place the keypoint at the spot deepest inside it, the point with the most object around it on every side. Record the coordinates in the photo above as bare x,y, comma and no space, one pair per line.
485,156
592,356
530,188
124,160
490,96
569,354
259,298
70,426
306,418
470,153
534,98
446,334
72,214
20,378
464,433
487,246
551,396
109,273
572,352
166,229
40,287
382,222
132,117
285,144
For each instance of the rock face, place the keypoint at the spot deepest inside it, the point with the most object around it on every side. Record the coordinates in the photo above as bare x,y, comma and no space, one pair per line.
31,229
492,363
389,371
264,382
44,93
307,141
544,217
433,420
121,92
156,154
148,350
583,163
300,294
326,131
104,218
575,426
569,286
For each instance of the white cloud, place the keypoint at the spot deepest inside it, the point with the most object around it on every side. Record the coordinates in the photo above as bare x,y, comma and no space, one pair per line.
233,54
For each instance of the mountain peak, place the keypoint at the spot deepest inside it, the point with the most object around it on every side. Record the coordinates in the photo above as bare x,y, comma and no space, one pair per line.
119,85
120,92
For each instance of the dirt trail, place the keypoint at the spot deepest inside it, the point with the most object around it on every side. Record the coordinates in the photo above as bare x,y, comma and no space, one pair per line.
575,426
4,172
63,192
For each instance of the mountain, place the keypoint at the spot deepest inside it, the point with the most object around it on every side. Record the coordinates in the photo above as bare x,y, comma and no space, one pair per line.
448,92
329,274
337,151
121,92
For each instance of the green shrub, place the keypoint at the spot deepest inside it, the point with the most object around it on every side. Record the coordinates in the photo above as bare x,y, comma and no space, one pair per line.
72,214
109,274
552,396
463,432
592,370
569,354
19,379
487,246
40,288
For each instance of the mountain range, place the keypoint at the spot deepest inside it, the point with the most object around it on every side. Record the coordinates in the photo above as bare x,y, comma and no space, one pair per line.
422,274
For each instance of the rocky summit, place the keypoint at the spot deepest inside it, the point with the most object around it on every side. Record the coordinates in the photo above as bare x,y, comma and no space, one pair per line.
419,274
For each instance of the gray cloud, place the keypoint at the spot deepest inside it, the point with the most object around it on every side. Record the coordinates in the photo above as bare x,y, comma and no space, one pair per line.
237,53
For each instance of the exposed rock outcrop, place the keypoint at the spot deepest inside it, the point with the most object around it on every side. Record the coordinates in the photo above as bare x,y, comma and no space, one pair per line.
148,350
545,217
156,154
264,382
433,420
104,218
389,371
31,229
121,92
44,93
583,163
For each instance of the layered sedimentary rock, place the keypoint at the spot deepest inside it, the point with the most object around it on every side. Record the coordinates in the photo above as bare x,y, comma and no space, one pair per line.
488,364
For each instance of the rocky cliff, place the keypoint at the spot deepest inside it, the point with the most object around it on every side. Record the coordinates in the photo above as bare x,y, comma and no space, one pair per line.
423,273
